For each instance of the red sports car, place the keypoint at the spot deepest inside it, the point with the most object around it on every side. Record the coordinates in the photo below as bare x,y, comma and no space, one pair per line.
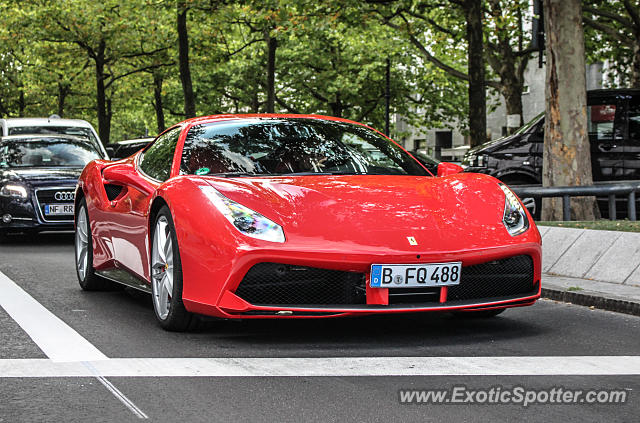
300,216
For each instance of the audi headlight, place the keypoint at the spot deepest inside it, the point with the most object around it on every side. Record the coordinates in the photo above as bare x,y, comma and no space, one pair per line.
247,221
514,217
14,191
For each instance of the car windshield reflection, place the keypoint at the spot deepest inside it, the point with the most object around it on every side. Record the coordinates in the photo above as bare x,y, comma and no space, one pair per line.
292,147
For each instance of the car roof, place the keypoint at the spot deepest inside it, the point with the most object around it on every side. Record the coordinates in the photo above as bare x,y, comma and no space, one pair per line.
28,137
18,122
219,118
609,92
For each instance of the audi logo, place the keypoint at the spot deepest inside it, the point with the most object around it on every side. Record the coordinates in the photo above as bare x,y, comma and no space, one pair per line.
64,196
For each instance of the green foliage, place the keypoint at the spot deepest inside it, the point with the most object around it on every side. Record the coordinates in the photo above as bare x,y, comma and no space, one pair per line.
612,33
330,58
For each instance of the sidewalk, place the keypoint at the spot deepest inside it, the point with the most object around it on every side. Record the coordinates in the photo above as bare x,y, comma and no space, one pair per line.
603,295
593,268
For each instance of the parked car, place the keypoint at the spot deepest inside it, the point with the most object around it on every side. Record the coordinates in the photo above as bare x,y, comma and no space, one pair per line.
38,176
126,148
613,118
295,216
53,125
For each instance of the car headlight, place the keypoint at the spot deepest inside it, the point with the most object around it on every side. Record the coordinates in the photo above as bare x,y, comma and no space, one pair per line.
14,191
514,217
247,221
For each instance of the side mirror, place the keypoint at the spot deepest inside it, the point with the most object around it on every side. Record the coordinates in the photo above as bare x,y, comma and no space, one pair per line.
445,169
125,174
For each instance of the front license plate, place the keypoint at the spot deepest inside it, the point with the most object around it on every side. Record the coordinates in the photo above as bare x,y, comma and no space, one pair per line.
58,209
415,275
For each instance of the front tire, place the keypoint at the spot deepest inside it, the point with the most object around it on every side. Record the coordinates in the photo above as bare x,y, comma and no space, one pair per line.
87,277
166,275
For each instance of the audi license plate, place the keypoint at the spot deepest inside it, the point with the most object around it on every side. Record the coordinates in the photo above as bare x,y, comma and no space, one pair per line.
58,209
415,275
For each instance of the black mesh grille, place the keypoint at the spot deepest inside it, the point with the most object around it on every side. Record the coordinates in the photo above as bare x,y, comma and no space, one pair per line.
414,295
500,278
273,283
281,284
48,196
112,191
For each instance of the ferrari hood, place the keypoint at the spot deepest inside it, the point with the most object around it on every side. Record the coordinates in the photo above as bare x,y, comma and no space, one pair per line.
457,212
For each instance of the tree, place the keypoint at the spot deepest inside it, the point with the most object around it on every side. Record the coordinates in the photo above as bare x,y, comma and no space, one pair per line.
183,59
612,29
567,158
477,91
434,26
110,34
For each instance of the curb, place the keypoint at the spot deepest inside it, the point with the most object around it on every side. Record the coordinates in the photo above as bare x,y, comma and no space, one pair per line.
610,304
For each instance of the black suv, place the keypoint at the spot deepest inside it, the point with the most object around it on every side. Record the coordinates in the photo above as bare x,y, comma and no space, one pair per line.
613,118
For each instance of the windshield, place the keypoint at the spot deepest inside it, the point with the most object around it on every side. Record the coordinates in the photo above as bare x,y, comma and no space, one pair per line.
54,130
47,152
292,146
528,125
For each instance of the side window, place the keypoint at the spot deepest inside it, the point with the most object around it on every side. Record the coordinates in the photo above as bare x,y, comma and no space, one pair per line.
601,119
634,120
156,161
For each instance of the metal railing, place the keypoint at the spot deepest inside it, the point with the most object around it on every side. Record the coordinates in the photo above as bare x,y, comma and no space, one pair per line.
627,189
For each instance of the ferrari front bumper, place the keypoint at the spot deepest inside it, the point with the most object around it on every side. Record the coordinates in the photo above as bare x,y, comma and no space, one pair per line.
280,288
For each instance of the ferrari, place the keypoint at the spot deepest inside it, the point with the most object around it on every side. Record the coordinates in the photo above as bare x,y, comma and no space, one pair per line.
300,216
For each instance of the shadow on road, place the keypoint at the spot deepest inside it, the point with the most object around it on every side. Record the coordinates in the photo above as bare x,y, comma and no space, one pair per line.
45,238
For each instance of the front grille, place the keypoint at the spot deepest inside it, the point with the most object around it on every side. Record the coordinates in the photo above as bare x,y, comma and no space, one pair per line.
500,278
48,196
282,284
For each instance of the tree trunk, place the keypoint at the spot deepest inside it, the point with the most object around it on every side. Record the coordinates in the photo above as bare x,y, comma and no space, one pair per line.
272,45
635,65
255,102
63,92
101,98
477,94
108,119
512,93
157,103
567,159
21,103
183,59
336,107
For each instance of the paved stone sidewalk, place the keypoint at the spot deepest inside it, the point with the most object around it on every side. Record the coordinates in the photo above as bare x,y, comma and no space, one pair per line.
592,268
604,295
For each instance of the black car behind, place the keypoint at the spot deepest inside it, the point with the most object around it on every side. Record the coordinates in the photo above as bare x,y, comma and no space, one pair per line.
38,175
613,118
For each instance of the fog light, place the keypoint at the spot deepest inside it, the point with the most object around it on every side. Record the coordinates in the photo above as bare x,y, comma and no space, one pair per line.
6,218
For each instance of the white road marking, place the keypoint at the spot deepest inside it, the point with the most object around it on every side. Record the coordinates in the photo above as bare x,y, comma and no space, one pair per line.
54,337
327,366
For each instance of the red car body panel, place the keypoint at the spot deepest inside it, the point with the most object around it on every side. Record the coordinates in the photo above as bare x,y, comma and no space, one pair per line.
343,223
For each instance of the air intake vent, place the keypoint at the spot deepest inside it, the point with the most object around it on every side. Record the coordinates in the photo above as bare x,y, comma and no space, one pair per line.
112,191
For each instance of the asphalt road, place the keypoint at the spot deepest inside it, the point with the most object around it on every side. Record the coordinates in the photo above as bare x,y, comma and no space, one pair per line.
121,325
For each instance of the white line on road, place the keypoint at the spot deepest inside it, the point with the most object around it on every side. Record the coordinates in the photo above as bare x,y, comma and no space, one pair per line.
328,366
54,337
